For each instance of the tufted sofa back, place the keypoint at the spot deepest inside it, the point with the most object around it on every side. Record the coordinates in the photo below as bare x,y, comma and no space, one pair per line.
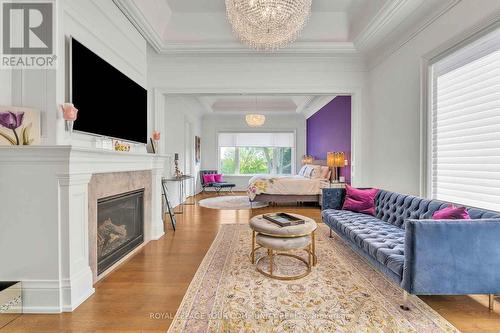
395,208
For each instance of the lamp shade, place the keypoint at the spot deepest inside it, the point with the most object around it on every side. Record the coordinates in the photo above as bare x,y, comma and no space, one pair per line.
307,159
339,159
330,159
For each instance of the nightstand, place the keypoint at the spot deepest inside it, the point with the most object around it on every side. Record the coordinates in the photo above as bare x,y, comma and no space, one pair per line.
330,185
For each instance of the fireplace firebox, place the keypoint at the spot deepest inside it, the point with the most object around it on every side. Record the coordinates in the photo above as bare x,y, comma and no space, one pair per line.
120,227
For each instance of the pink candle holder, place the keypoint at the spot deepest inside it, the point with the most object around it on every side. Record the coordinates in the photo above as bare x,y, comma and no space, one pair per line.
69,115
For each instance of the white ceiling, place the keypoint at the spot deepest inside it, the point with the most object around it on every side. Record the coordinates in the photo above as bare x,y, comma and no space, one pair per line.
267,104
335,26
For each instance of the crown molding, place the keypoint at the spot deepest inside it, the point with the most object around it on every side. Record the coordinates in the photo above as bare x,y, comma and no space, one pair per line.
305,103
140,22
377,55
317,104
385,19
236,48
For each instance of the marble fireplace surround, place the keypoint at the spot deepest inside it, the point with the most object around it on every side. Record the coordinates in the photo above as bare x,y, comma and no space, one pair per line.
47,216
108,184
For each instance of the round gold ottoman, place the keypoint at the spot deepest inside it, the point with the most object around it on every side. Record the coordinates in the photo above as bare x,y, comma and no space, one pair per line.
279,240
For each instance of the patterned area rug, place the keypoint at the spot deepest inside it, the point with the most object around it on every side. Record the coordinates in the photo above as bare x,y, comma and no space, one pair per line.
342,294
230,202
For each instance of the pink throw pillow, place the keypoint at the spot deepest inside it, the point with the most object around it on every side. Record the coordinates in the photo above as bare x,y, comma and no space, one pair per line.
451,213
360,201
218,178
208,178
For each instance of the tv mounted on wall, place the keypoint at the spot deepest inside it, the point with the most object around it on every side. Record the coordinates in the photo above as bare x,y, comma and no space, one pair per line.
109,103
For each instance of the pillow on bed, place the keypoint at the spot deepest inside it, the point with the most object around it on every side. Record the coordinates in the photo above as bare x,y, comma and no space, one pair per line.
309,171
316,171
302,170
325,172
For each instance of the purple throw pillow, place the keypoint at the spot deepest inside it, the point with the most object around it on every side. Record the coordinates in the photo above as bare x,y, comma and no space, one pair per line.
451,213
360,201
208,178
218,178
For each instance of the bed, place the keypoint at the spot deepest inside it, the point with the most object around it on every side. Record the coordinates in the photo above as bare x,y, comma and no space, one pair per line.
306,186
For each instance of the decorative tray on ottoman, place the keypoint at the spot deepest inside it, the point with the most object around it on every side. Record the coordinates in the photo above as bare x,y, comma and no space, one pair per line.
283,219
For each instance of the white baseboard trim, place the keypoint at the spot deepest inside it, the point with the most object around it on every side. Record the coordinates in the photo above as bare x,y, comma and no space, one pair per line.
158,231
56,296
77,289
40,310
78,302
41,296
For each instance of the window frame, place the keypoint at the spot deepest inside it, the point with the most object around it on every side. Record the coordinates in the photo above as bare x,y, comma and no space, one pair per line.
293,158
428,89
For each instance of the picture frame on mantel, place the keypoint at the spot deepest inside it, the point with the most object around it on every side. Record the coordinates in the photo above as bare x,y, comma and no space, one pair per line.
150,146
19,126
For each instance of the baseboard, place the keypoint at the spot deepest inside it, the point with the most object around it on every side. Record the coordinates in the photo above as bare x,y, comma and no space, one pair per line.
41,296
56,296
77,289
158,231
78,302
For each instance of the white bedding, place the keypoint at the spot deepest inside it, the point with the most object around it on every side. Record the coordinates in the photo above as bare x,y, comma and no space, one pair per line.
285,185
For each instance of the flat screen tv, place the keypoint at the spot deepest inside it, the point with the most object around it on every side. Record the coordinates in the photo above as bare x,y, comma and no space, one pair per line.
109,103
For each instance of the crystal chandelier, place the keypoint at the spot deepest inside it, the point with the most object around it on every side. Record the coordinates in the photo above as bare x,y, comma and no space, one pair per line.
268,24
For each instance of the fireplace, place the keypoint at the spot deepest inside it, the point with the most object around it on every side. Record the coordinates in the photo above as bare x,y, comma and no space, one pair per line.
120,227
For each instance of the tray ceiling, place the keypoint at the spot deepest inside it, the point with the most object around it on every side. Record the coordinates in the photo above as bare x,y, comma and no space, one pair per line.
336,26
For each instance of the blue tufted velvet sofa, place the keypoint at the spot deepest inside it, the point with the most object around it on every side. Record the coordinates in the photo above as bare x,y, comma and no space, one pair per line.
424,256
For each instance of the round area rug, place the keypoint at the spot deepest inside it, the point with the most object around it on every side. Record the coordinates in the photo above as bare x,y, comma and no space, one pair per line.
230,202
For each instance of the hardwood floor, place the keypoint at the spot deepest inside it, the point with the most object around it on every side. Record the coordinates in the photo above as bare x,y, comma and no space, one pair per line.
143,294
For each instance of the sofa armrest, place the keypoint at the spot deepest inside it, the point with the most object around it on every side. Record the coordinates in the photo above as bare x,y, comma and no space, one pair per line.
452,257
333,198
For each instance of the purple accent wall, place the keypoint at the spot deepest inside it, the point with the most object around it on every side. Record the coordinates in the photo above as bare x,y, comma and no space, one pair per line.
329,129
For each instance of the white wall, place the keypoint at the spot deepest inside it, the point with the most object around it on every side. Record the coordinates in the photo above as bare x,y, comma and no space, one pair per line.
178,111
5,87
393,134
213,124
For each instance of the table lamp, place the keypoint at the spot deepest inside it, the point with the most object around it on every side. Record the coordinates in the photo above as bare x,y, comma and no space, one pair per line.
307,159
335,160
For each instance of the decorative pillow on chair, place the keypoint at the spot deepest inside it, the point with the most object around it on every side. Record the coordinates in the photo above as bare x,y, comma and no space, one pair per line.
451,213
360,201
209,178
218,178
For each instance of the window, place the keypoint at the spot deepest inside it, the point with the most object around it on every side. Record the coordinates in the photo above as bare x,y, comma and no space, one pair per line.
256,153
465,125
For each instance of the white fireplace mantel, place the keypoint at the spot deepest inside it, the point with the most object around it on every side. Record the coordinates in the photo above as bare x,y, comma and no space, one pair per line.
44,218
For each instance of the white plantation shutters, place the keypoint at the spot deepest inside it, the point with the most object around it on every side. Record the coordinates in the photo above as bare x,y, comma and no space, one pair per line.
465,125
254,139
